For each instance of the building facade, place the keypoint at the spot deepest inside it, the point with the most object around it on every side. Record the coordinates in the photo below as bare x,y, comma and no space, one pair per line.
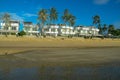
10,28
86,31
51,30
65,30
30,29
58,30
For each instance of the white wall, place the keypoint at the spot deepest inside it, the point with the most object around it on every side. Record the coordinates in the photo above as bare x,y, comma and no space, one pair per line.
10,27
86,30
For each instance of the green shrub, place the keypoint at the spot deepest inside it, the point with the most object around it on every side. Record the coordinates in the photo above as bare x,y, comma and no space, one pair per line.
12,33
21,33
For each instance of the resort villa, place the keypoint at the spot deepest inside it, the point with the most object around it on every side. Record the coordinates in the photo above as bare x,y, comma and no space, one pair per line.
30,29
49,30
11,28
58,30
86,31
65,30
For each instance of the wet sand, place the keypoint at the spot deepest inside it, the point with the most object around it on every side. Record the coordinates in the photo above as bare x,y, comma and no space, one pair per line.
12,44
57,59
56,51
63,57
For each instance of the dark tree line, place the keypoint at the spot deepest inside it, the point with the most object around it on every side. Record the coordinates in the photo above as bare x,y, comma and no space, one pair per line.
113,31
104,28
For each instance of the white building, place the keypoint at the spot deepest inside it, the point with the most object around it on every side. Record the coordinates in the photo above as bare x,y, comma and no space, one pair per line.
51,30
30,29
11,28
86,31
66,30
58,30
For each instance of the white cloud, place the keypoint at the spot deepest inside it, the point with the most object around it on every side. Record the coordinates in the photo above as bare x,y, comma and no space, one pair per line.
14,16
29,15
100,2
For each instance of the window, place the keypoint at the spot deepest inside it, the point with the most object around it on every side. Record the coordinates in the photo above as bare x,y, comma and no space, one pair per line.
27,29
34,29
13,28
63,30
5,28
53,30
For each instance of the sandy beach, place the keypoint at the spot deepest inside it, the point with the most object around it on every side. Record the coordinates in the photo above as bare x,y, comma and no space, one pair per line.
58,50
12,44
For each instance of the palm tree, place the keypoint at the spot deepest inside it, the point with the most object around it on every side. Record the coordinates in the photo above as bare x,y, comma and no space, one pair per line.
6,20
65,16
100,28
68,18
110,29
97,23
71,20
53,14
42,17
104,29
96,20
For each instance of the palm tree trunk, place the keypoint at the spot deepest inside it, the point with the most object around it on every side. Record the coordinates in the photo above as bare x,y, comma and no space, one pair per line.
42,29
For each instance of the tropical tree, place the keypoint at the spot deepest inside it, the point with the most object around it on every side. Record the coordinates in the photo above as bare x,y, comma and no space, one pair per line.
68,18
104,29
71,20
65,16
96,20
100,28
6,20
116,32
42,17
97,23
111,28
53,15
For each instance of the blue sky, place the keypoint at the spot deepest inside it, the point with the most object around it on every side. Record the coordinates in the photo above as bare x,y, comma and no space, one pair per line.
26,10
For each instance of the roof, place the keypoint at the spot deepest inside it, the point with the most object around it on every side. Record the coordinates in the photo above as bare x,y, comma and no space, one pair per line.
62,24
79,26
52,24
27,22
14,21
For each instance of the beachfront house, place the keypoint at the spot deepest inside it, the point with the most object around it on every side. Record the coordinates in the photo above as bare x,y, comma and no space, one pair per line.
65,30
11,28
86,31
30,29
94,31
51,30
